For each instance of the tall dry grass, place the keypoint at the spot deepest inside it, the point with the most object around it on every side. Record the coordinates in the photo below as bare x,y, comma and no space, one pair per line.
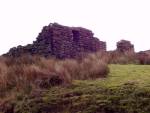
115,57
32,72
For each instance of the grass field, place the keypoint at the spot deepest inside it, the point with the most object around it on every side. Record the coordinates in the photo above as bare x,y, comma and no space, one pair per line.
121,74
125,90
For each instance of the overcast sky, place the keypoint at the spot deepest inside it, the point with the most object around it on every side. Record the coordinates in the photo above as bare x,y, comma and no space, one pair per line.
110,20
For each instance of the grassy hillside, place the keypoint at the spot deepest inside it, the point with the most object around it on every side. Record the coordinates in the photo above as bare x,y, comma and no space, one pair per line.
121,74
126,90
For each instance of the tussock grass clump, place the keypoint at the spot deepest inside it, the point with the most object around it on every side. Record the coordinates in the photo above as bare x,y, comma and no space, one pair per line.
115,57
121,58
92,67
33,72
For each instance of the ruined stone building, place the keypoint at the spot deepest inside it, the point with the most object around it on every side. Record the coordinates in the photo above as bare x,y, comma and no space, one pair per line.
124,46
61,42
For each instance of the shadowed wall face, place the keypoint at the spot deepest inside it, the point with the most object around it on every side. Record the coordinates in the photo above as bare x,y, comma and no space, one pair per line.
61,42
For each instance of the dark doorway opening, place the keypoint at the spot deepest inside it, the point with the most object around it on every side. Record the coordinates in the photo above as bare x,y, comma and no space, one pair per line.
76,35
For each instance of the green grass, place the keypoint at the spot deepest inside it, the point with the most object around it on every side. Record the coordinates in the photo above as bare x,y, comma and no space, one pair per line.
125,90
126,73
120,74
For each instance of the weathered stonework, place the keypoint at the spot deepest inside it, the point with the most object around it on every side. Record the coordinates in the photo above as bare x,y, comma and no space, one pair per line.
124,46
143,57
61,42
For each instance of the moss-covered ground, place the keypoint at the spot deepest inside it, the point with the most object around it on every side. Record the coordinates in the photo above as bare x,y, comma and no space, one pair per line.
125,90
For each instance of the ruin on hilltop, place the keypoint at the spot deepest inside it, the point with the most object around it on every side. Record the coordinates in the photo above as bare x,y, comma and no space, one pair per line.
124,46
62,42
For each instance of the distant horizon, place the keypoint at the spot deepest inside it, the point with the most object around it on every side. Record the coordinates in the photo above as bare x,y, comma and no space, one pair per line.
110,21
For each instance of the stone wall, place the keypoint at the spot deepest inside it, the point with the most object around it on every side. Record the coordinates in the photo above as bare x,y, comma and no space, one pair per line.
61,42
124,46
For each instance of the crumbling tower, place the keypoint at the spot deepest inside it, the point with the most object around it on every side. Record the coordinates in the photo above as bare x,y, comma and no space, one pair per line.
62,42
124,46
